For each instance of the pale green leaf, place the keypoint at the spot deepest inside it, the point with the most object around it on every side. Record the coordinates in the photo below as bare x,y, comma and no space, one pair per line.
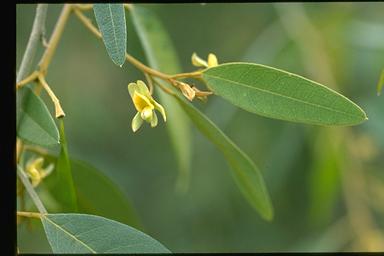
82,233
245,172
35,123
159,51
97,194
278,94
64,189
111,21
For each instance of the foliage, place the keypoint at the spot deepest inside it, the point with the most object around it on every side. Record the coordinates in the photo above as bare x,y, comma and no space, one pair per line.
88,211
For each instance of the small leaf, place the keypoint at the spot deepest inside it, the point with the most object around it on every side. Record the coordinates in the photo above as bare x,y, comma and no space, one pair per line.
278,94
246,174
159,51
111,21
35,123
97,194
82,233
64,189
380,84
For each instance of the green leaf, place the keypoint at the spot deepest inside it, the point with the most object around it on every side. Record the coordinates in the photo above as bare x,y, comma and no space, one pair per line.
64,189
245,172
158,48
161,54
35,123
380,84
82,233
97,194
278,94
111,21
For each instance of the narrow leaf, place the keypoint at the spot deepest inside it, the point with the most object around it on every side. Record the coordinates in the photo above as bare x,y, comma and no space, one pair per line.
82,233
35,123
111,21
278,94
380,84
64,188
245,172
97,194
159,52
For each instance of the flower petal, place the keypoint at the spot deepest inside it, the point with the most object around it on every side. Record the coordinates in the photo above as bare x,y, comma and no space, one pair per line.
143,89
160,108
147,114
197,61
212,60
140,101
154,119
136,122
132,88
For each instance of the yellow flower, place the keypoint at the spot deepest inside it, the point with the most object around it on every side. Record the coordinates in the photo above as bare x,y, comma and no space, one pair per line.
199,62
36,172
145,105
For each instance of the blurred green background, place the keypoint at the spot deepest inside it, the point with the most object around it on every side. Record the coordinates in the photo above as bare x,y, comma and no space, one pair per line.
326,184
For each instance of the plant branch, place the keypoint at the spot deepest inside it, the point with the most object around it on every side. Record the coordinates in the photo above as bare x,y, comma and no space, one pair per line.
30,51
55,38
196,74
170,78
84,7
58,109
31,191
87,23
29,214
32,77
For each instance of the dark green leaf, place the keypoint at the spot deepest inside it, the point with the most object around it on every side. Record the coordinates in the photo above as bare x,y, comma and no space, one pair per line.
64,188
97,194
278,94
82,233
111,21
159,51
246,174
35,123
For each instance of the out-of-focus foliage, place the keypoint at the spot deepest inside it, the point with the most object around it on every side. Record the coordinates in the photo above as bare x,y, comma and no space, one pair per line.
326,184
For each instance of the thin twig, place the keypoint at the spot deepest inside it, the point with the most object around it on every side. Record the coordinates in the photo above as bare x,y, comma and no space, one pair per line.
32,77
84,7
195,74
29,214
58,109
55,38
30,51
36,149
31,191
87,22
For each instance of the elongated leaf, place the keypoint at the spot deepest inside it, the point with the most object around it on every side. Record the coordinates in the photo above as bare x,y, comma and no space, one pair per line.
245,172
64,188
82,233
97,194
278,94
35,123
111,21
380,84
159,52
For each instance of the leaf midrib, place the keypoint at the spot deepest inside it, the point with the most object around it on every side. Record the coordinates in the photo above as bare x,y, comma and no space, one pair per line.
113,29
283,96
69,234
